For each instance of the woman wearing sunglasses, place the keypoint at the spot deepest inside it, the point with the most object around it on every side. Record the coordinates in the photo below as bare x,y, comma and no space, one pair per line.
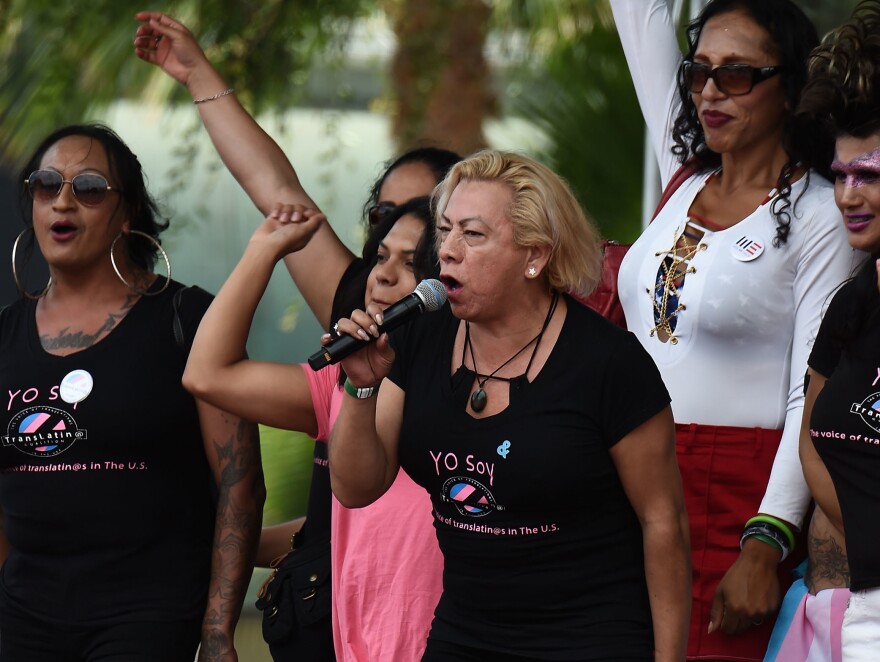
386,565
129,508
725,290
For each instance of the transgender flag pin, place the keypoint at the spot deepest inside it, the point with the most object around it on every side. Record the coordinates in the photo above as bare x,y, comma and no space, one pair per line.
76,386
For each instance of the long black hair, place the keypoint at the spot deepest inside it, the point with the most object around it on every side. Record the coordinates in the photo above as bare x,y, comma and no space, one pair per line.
792,36
352,290
126,175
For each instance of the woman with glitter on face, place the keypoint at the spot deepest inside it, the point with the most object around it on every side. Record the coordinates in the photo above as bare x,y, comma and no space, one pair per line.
840,436
725,290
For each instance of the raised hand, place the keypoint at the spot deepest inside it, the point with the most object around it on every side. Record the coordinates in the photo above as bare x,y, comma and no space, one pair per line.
169,44
287,229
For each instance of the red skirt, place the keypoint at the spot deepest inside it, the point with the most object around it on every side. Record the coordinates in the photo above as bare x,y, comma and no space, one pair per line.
724,472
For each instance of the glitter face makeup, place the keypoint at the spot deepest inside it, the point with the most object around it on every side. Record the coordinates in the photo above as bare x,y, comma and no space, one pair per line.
860,171
857,189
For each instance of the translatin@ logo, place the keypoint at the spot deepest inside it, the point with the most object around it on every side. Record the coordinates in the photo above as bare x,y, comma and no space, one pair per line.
42,431
470,497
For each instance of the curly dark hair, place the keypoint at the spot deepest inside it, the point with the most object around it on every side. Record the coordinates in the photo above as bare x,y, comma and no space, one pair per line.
843,91
126,175
793,36
843,96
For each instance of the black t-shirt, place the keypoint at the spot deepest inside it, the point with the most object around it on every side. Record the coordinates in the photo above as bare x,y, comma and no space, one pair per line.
845,429
108,502
542,550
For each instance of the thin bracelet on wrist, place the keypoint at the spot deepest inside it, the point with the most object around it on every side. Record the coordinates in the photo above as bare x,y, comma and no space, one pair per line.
228,90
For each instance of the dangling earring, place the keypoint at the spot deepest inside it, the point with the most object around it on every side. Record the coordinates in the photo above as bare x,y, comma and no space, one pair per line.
164,257
18,284
532,272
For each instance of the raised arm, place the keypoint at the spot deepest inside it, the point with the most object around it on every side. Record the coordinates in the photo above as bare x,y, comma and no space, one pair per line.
254,159
233,450
218,371
645,461
647,33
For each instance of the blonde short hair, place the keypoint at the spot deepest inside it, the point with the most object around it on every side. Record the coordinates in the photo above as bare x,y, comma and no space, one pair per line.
543,211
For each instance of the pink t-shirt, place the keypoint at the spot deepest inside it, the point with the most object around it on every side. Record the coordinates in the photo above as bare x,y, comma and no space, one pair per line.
386,567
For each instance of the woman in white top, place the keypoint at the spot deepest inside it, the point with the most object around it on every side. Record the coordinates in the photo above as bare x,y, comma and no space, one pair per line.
725,289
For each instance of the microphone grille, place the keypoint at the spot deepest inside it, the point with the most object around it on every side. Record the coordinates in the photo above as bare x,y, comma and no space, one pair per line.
432,293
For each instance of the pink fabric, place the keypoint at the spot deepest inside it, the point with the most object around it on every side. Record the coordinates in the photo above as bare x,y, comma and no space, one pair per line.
387,567
815,629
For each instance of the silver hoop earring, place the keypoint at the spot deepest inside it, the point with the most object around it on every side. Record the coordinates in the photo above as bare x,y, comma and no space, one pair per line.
18,284
158,247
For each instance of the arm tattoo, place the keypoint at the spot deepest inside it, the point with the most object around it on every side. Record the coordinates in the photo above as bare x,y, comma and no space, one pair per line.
236,534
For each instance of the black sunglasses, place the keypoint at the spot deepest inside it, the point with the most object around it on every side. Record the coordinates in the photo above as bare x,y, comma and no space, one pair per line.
89,189
379,212
730,79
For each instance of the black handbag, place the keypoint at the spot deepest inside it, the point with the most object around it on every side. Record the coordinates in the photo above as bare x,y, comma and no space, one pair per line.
295,601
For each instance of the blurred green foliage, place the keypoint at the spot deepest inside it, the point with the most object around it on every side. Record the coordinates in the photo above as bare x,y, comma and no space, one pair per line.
59,61
287,466
579,94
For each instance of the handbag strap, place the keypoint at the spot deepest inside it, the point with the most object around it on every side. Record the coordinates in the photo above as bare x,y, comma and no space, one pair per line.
685,170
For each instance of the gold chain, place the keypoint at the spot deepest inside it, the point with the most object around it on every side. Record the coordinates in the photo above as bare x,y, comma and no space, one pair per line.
673,268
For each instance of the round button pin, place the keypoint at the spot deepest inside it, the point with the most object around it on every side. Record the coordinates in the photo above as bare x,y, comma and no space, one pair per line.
76,386
747,248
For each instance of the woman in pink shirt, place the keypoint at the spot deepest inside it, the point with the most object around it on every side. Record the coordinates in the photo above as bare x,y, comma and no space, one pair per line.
386,564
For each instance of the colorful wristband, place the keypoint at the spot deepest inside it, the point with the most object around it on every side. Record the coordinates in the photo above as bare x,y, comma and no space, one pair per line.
359,393
778,523
768,535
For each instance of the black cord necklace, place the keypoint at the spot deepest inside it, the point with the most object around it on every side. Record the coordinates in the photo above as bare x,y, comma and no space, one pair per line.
479,397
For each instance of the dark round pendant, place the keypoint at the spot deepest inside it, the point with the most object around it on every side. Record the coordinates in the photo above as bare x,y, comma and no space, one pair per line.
478,400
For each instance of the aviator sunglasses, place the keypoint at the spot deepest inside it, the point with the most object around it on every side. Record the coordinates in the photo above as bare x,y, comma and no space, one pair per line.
88,189
730,79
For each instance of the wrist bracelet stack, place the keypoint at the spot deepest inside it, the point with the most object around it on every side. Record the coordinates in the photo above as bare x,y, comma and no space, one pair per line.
360,393
769,530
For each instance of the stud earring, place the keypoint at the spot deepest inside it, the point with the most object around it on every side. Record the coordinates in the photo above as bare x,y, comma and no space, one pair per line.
532,272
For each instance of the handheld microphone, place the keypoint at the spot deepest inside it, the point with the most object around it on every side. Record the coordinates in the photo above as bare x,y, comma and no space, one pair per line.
428,296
